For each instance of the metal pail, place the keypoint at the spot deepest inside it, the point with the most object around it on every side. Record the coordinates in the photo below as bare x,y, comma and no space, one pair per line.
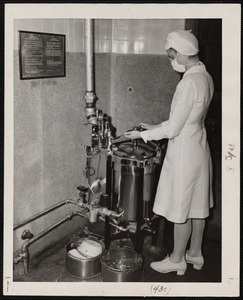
121,265
83,268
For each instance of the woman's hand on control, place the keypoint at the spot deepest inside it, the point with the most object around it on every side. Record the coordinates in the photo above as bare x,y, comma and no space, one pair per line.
133,135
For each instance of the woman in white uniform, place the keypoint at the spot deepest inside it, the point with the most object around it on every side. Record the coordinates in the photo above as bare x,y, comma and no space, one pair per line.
184,193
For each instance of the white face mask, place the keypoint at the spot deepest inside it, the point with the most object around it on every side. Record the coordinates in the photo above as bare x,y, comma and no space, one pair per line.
177,67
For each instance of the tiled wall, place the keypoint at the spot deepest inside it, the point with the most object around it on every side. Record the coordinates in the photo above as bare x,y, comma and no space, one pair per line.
135,36
142,36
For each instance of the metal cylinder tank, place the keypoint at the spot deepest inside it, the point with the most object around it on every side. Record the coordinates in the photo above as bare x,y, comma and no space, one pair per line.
134,176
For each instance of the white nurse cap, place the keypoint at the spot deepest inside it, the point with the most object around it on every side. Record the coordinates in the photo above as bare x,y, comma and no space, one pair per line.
182,41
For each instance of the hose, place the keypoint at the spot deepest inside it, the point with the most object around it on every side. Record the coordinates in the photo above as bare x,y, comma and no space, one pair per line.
90,188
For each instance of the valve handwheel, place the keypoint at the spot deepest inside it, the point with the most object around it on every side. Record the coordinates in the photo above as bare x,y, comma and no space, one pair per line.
82,189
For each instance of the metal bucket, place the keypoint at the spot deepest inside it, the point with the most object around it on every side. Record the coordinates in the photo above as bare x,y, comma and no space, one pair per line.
82,268
121,265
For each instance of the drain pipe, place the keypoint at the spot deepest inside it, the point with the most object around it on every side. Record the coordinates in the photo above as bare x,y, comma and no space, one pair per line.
24,256
90,97
45,212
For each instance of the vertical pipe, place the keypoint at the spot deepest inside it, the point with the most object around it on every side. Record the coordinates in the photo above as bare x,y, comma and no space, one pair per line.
89,51
109,193
107,233
90,97
109,180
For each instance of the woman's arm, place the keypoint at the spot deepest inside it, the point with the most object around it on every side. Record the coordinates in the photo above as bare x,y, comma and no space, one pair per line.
148,126
178,117
135,134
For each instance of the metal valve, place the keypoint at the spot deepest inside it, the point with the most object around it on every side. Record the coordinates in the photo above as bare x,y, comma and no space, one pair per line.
26,235
82,194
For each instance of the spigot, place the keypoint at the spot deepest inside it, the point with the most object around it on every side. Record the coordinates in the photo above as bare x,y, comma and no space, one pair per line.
18,259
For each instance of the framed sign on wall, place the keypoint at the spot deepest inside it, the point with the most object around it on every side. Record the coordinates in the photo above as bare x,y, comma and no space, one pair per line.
41,55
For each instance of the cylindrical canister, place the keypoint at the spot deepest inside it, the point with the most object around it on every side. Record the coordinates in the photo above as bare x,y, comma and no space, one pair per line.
86,267
134,179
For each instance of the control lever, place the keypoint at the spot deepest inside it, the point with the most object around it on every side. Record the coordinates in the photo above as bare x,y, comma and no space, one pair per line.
122,138
138,128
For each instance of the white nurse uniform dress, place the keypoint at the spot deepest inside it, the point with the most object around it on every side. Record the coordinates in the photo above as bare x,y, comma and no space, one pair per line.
185,186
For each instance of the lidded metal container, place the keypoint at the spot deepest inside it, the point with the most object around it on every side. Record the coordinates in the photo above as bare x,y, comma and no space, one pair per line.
121,265
134,177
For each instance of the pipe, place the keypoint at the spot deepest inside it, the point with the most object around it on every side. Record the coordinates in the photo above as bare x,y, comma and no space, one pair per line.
48,210
109,179
89,48
116,215
25,247
46,231
90,97
121,228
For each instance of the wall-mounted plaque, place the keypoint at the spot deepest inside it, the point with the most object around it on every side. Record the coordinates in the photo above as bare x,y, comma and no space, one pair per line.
41,55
